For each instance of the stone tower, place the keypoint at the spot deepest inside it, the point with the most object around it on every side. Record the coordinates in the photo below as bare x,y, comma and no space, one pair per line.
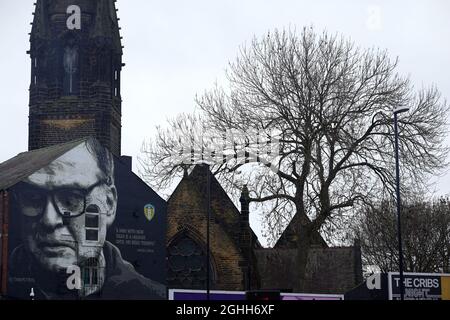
76,61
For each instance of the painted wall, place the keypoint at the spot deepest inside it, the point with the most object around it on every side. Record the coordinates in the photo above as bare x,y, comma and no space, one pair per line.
86,227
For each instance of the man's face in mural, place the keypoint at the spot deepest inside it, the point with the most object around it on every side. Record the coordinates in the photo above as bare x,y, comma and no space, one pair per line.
66,208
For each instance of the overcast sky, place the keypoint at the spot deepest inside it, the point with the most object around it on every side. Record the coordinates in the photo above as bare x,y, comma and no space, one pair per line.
176,49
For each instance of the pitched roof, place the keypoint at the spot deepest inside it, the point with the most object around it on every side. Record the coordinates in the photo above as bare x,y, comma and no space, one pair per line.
222,207
288,239
24,164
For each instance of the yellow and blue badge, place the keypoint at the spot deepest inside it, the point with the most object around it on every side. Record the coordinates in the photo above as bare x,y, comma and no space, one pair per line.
149,212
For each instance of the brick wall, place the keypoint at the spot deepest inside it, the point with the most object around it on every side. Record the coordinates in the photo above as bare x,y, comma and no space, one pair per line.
329,270
187,211
99,58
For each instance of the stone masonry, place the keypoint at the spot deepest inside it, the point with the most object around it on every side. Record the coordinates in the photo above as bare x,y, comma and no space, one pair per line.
92,106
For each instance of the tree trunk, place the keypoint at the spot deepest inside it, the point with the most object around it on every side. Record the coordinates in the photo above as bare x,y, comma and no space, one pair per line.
303,246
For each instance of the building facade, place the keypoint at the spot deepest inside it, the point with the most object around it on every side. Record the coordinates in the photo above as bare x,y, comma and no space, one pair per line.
75,123
238,261
76,222
79,224
232,263
76,63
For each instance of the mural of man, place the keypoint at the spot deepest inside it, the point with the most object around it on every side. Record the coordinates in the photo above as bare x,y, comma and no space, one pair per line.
66,209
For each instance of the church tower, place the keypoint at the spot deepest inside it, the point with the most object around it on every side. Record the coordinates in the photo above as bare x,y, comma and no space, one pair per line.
76,61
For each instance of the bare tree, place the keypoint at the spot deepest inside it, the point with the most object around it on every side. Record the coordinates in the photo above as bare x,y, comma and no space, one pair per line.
425,233
331,105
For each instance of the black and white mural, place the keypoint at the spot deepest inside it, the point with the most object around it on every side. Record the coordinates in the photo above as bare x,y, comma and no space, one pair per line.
85,227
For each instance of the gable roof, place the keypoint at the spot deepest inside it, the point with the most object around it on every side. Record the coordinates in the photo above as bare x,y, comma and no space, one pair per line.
222,207
288,239
24,164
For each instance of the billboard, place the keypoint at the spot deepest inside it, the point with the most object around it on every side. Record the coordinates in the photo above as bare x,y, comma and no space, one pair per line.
195,295
419,286
85,227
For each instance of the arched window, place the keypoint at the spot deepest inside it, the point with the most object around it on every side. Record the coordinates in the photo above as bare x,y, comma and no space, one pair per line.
115,83
187,261
34,71
71,67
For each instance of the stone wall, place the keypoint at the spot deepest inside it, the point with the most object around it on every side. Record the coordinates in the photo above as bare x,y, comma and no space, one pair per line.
55,114
187,211
329,270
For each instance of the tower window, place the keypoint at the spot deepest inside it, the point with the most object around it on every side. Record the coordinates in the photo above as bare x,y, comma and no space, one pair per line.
116,84
71,68
33,71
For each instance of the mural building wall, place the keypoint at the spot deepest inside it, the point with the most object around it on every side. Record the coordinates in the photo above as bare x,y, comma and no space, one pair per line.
77,223
85,227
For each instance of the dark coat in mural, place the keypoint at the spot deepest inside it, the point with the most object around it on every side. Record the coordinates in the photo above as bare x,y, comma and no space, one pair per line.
121,279
65,218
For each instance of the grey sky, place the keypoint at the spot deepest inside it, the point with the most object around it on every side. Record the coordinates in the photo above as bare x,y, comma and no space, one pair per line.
175,49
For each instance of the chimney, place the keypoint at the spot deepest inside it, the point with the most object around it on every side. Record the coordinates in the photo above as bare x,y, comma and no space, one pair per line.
245,238
245,203
244,223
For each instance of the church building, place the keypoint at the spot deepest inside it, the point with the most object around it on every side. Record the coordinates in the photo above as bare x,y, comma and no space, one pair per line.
71,204
239,262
